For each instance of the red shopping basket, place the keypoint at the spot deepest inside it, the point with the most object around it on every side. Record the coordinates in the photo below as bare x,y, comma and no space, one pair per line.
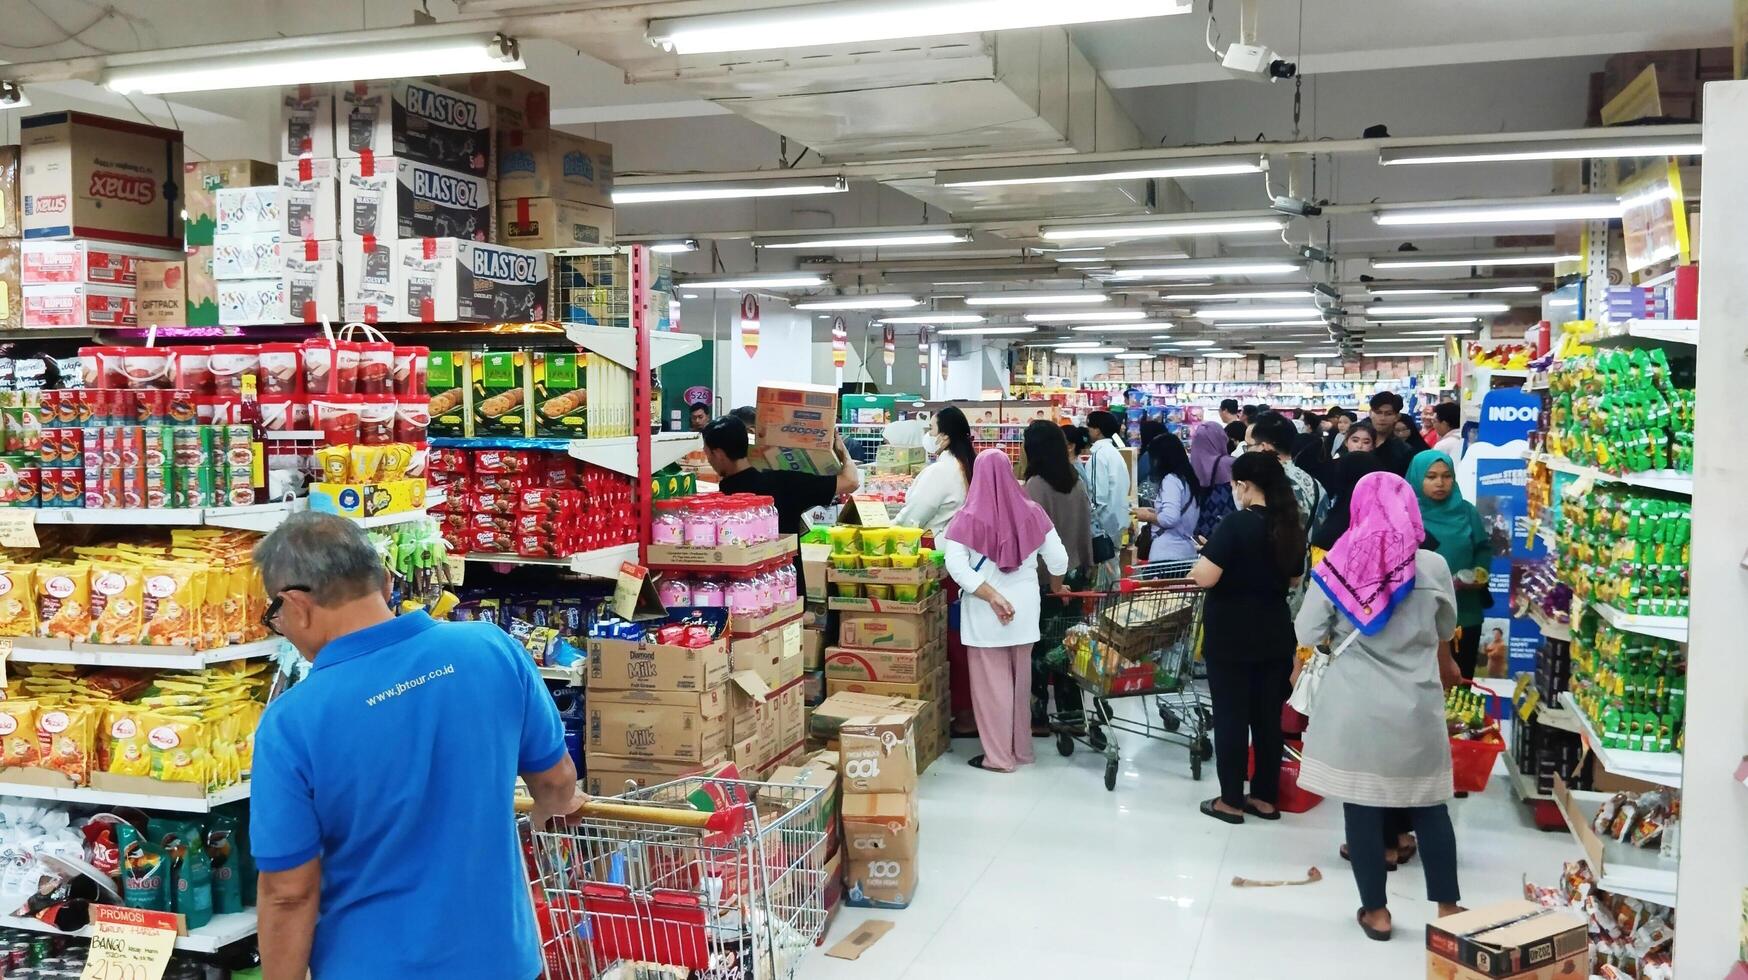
1291,798
1472,761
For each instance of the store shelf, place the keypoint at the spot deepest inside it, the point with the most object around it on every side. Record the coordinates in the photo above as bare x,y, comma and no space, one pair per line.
620,455
1522,785
222,931
47,651
1621,868
389,520
1644,333
143,801
1557,717
619,344
1664,627
1662,768
260,518
600,563
1552,629
1669,481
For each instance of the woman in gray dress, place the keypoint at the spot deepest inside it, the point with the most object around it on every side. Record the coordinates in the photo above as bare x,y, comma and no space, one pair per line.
1377,736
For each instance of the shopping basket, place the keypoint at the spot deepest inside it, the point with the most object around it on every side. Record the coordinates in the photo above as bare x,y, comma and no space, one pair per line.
650,884
1472,761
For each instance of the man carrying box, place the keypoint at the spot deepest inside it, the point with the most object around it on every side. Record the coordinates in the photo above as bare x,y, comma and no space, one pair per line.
725,446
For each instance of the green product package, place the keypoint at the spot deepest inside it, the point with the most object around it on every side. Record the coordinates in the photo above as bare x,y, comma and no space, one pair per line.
222,839
501,394
560,401
446,378
245,859
194,883
145,870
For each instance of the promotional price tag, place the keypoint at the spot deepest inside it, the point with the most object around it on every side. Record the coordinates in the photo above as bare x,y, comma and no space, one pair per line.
626,589
454,569
17,528
130,944
868,512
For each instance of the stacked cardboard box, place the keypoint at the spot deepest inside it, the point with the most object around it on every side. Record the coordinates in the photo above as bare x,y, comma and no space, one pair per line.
83,282
655,712
817,771
555,190
878,771
894,649
797,425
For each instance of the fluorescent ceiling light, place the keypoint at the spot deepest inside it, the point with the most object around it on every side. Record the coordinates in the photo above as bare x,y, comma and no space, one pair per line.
1396,322
1077,345
1122,327
1396,340
12,97
1191,343
1439,309
1254,294
1441,332
1539,211
1071,316
1465,261
671,248
984,331
688,295
1274,343
871,302
1563,301
1080,260
1135,355
723,190
1405,353
854,21
311,64
787,280
1196,268
1223,355
871,241
1290,323
933,318
1068,173
1256,312
1453,291
1307,353
1080,298
1642,145
1098,350
1164,228
1162,336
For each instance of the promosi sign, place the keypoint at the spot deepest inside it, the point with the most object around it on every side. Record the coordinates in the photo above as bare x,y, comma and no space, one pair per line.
84,176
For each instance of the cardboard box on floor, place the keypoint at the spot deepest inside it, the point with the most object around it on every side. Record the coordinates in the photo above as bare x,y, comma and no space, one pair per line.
630,665
608,774
878,753
829,715
880,840
680,726
1518,940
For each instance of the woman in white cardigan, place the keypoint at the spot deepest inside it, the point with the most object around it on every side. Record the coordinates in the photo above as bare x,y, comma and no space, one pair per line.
938,491
993,548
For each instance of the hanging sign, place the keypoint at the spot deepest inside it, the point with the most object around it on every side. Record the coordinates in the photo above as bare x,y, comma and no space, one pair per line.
697,394
840,342
749,323
889,350
922,350
130,943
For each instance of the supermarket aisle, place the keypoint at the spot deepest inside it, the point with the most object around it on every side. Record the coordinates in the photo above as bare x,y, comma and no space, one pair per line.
1046,874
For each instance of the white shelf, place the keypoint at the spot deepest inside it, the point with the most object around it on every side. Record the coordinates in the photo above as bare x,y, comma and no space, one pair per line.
261,518
1664,627
600,563
1662,768
619,344
1644,333
1671,481
43,651
388,520
620,454
1635,872
1550,628
503,558
1522,785
222,931
143,801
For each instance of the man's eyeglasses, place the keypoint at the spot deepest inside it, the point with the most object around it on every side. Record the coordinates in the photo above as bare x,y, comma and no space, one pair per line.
277,604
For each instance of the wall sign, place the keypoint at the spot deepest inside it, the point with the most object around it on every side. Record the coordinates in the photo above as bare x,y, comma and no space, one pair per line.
840,342
889,350
1495,476
749,324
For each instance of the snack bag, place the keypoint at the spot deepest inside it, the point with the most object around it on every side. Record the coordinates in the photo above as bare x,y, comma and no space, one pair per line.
222,839
194,897
117,602
145,871
127,752
178,748
63,601
17,600
170,608
18,739
64,739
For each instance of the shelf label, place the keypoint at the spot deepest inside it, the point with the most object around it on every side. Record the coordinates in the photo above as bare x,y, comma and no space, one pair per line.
634,595
130,944
17,528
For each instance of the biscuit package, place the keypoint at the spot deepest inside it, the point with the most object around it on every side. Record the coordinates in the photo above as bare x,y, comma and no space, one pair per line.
502,391
447,380
560,397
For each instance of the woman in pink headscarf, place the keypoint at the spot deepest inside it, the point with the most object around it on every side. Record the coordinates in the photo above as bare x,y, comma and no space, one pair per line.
1377,736
993,547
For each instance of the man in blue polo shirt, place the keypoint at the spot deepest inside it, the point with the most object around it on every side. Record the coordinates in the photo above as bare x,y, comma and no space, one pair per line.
380,814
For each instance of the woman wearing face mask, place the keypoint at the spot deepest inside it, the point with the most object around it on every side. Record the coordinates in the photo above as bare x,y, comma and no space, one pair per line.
1461,541
938,491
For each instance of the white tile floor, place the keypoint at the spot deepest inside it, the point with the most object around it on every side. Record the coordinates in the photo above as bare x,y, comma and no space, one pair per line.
1045,874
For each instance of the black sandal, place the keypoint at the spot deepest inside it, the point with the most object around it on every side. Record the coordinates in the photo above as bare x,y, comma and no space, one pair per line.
1376,935
1220,815
1251,809
976,762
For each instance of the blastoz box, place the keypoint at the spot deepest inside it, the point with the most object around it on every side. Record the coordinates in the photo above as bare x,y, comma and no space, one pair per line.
85,176
309,194
373,291
416,121
389,198
447,279
309,274
306,122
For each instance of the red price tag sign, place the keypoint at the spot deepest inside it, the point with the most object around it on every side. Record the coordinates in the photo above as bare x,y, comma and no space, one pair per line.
130,944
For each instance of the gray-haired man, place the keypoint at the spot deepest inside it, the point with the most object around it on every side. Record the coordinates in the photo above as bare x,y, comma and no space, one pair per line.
380,814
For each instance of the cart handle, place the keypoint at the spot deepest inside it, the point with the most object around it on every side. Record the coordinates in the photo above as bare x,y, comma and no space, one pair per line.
729,821
1159,585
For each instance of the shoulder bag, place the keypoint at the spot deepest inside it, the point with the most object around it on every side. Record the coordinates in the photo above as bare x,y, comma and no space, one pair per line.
1104,549
1305,689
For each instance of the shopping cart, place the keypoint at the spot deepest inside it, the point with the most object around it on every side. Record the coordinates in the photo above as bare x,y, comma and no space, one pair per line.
651,885
1137,640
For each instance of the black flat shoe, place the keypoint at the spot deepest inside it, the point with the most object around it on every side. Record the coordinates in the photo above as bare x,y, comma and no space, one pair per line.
1220,815
1251,809
976,762
1376,935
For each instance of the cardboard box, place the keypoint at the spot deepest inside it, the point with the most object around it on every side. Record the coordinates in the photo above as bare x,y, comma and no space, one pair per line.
78,260
309,273
928,688
880,666
1516,939
879,753
161,292
11,289
448,279
815,564
306,122
812,649
520,101
250,302
85,176
797,415
880,826
309,199
682,726
415,120
629,665
73,304
882,631
202,288
792,459
919,609
250,200
887,883
11,216
550,164
390,198
741,624
755,655
370,280
805,778
608,774
900,459
543,222
725,556
252,256
787,644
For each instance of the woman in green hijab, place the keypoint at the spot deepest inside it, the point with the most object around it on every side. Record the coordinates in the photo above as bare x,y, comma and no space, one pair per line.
1462,541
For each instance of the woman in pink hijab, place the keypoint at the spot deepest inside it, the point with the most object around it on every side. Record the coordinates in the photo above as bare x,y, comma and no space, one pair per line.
993,546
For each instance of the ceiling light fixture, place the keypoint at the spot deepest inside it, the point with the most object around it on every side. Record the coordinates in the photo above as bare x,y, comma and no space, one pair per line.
1163,228
773,282
675,247
1374,339
1072,316
1135,355
854,21
1638,145
870,302
1076,345
1254,294
933,318
1081,298
1535,211
1222,355
1465,261
1196,268
306,64
1079,260
1098,350
1290,323
1256,312
1068,173
1121,327
1191,343
984,331
871,241
1404,353
1438,309
1453,291
1454,331
1401,321
724,190
1274,343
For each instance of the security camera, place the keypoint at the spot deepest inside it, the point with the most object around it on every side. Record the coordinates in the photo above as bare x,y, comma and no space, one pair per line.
1257,62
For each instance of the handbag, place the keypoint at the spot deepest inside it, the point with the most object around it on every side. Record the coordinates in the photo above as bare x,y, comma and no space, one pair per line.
1305,689
1103,548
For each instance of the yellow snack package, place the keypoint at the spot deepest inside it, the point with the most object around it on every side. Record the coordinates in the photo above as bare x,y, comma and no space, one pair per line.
125,750
170,607
396,457
18,745
844,538
117,601
64,740
17,600
876,541
366,463
178,748
336,463
906,540
901,560
906,591
63,601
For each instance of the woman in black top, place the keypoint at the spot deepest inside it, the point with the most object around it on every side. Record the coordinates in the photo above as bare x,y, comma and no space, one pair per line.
1248,566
